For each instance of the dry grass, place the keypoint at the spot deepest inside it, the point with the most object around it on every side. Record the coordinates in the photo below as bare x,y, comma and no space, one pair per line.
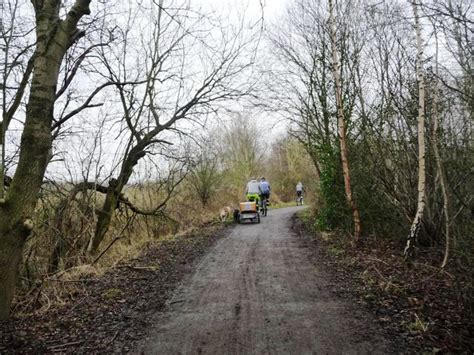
72,225
69,227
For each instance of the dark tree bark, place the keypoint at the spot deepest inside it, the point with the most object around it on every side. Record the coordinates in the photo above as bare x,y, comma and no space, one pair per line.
54,37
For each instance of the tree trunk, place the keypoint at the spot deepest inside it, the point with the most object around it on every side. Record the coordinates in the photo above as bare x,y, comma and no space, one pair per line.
22,195
439,162
417,221
342,126
54,36
104,216
114,190
12,240
2,161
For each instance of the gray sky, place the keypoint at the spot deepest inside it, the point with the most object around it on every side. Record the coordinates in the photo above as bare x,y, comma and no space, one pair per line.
253,7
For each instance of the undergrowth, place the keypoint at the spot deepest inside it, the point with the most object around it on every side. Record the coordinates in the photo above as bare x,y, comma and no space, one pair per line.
430,308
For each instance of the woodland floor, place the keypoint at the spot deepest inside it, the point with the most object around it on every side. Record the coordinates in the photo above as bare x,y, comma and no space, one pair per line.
363,292
428,310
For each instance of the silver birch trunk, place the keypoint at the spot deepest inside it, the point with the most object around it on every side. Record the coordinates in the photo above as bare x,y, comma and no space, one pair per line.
417,221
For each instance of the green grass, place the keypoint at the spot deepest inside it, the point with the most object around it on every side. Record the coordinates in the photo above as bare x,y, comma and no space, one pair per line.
284,204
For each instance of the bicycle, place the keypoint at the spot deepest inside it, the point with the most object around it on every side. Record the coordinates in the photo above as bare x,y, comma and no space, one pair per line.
299,200
264,206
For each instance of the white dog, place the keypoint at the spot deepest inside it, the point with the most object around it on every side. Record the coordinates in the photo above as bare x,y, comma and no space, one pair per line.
224,213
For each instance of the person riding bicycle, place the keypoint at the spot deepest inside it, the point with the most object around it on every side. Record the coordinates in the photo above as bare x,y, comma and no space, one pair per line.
252,191
299,190
264,189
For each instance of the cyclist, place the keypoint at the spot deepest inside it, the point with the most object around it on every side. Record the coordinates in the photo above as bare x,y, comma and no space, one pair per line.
299,192
264,189
252,191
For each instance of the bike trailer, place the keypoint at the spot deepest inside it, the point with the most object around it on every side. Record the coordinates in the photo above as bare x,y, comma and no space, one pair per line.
248,207
248,211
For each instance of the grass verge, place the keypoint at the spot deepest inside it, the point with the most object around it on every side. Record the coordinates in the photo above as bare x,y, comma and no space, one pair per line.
109,312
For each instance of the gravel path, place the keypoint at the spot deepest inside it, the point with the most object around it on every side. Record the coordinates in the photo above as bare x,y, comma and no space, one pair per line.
259,292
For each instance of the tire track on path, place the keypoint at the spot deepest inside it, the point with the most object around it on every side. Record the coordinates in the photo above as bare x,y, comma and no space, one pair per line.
258,292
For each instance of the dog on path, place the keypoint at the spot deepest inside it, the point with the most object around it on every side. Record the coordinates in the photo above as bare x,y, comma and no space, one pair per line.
236,215
224,213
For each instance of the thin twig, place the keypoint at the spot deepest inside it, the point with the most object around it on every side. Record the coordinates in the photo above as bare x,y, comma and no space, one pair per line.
142,268
74,281
385,279
379,260
113,338
106,249
435,268
67,344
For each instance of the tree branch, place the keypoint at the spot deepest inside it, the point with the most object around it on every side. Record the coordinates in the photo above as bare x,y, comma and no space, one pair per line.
19,94
86,103
74,70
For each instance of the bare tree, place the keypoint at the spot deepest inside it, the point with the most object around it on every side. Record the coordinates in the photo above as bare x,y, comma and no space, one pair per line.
16,67
171,95
205,175
439,162
306,86
303,52
54,36
241,151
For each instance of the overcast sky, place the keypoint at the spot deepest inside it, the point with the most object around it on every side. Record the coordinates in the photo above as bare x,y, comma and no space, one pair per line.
232,10
253,7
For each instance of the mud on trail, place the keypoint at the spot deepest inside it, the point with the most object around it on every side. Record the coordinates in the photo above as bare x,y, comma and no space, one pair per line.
259,292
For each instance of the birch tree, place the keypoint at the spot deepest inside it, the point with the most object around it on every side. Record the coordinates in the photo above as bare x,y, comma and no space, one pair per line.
418,219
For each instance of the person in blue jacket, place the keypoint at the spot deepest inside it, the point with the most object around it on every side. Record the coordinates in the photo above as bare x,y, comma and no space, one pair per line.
265,189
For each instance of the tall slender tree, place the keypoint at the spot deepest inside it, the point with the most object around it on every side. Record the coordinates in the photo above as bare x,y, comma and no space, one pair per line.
437,155
417,221
342,124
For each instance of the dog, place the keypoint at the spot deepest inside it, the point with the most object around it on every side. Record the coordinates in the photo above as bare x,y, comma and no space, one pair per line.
224,213
236,215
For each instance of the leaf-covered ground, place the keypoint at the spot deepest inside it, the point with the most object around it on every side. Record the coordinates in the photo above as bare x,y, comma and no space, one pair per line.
430,310
109,313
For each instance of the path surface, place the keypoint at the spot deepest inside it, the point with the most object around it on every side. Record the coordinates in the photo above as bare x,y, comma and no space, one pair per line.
257,292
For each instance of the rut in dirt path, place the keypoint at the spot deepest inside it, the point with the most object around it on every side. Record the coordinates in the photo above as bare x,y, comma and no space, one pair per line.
257,291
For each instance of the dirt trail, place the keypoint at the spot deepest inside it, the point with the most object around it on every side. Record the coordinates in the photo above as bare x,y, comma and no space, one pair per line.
258,292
